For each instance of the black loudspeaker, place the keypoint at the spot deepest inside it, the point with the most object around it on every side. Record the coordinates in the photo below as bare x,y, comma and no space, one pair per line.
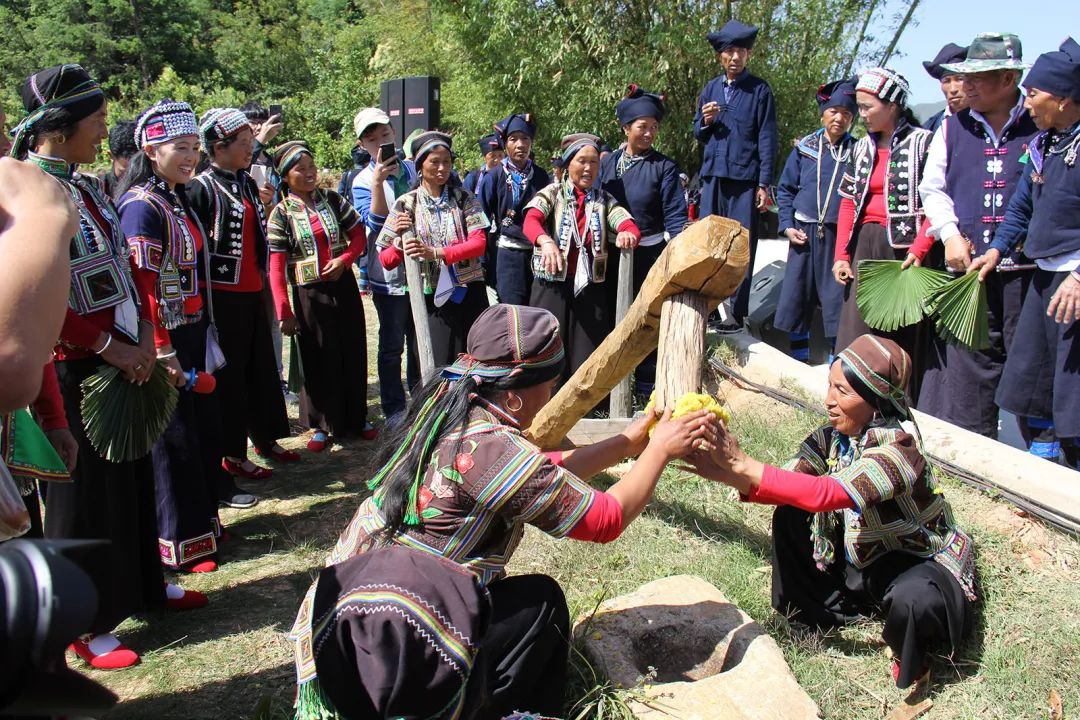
412,103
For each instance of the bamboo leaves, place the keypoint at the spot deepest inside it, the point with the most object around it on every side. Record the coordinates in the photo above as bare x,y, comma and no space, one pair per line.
123,420
889,298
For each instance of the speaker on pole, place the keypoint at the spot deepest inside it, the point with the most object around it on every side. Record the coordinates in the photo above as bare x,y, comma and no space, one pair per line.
412,103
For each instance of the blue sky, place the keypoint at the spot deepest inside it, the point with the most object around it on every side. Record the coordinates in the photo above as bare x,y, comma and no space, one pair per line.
1041,26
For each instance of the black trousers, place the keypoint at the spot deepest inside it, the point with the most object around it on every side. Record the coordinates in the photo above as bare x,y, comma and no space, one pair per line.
584,320
187,463
249,386
450,324
333,352
523,658
107,501
921,602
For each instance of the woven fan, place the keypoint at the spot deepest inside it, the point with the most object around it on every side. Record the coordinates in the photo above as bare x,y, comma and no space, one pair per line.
123,420
960,312
890,298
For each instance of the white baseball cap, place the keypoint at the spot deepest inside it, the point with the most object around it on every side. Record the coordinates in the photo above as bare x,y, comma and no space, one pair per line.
368,117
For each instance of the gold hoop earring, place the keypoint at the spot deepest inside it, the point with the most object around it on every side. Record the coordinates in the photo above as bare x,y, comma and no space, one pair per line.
61,139
1061,107
513,409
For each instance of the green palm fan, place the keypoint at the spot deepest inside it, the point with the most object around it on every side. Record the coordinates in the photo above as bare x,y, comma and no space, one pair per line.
123,420
889,298
960,312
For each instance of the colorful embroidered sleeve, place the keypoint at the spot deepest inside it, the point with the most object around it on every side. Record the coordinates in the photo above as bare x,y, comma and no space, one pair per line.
521,484
812,454
278,235
474,216
882,471
145,232
616,213
544,200
346,213
402,206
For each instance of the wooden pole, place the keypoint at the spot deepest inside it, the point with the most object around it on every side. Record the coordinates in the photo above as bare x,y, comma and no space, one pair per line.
415,280
681,352
621,397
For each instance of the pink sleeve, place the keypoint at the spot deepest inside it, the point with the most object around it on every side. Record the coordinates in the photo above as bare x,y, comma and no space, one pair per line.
533,227
279,287
391,256
602,523
812,493
555,456
357,243
473,247
631,227
845,224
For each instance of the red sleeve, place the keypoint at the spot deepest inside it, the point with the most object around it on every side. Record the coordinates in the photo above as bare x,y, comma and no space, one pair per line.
631,227
391,256
146,286
923,242
845,224
357,243
79,331
49,405
812,493
533,227
279,287
473,247
602,523
555,456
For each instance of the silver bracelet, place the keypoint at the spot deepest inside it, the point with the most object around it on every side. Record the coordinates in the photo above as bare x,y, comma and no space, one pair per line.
167,355
108,342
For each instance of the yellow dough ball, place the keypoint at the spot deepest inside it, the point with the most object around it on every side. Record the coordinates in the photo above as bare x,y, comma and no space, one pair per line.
691,402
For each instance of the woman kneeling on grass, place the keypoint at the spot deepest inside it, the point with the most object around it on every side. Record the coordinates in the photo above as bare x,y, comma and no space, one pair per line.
460,481
862,483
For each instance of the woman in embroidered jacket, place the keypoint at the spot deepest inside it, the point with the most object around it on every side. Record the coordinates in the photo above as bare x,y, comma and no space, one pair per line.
166,244
105,324
808,207
569,225
860,524
461,481
226,201
440,223
881,214
316,236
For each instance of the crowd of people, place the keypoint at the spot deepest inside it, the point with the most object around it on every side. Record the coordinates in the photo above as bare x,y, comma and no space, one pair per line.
208,239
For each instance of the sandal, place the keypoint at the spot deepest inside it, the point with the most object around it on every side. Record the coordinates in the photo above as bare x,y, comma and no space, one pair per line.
237,468
281,455
111,653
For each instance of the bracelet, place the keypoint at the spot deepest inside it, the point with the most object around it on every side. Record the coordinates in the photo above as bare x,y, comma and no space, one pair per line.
167,355
108,342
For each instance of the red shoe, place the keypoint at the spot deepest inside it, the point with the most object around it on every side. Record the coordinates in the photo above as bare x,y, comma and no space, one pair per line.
118,658
234,468
190,600
369,433
285,456
318,441
200,567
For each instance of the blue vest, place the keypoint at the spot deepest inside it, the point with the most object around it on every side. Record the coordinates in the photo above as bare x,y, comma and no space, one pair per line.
981,179
1055,197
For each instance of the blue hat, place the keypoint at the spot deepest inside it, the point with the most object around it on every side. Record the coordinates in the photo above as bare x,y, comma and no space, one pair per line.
519,122
733,34
639,103
490,143
1058,72
838,93
951,53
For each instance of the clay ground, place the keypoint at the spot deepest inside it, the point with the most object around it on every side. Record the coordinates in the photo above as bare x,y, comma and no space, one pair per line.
230,660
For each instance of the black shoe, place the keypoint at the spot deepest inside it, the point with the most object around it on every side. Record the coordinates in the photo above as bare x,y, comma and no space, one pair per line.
726,328
237,498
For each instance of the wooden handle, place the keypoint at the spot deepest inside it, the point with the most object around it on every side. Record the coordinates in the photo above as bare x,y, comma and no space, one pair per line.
621,395
415,280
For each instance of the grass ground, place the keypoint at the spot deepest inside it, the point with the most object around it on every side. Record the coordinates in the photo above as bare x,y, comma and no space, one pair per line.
230,660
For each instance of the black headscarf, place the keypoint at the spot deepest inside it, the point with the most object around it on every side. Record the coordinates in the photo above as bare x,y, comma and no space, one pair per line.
62,87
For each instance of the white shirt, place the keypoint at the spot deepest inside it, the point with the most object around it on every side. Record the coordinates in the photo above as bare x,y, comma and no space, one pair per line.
936,202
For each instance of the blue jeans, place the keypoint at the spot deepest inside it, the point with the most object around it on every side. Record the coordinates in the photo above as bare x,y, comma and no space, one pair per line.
395,329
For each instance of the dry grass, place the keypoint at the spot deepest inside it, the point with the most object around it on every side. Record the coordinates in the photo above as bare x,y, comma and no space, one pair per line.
230,660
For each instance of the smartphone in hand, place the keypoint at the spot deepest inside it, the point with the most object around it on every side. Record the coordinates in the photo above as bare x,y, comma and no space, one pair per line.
277,110
387,153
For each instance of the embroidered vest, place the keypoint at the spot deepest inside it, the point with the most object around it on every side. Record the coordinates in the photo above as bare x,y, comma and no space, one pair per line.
303,254
426,226
558,203
1055,196
173,257
981,178
100,269
902,204
225,234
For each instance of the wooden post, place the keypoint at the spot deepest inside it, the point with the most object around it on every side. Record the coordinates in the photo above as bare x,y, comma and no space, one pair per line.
681,353
415,280
621,398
